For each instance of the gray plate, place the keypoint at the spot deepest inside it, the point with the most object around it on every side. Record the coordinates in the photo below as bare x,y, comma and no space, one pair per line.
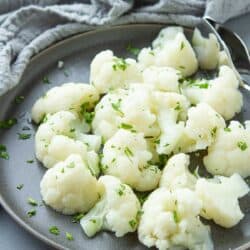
77,53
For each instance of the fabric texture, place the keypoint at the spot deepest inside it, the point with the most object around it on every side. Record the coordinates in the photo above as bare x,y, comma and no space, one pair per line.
29,26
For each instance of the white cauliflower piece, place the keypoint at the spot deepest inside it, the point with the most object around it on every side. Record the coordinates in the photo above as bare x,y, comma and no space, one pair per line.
59,136
126,156
162,78
131,109
172,49
220,199
207,50
202,131
69,187
230,153
221,93
118,209
170,219
67,97
176,173
109,72
172,108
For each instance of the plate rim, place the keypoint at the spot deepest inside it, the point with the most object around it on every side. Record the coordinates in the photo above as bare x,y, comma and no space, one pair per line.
3,203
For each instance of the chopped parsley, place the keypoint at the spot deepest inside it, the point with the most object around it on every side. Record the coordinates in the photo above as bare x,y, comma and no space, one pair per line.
32,202
23,136
30,161
19,99
119,64
46,80
157,141
69,236
133,50
31,212
89,116
227,129
3,152
182,45
126,126
8,123
117,106
213,131
121,189
128,152
175,216
242,145
20,186
77,217
178,106
132,223
54,230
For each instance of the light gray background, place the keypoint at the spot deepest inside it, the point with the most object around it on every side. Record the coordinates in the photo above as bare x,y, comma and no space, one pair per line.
13,237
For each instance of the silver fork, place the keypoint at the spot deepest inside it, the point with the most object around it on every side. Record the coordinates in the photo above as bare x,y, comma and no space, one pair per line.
232,44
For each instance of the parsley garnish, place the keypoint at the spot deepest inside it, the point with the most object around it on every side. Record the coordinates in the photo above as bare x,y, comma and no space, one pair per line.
8,123
3,152
46,80
32,202
242,145
178,106
132,223
31,212
121,189
69,236
213,131
128,152
176,218
182,45
54,230
30,161
23,136
19,99
227,129
20,186
77,217
126,126
89,116
117,106
133,50
119,64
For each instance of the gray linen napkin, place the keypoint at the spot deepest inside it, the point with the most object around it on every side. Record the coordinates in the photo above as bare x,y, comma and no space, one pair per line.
29,26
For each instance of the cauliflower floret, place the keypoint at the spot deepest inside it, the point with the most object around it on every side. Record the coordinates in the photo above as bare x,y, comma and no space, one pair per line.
207,50
221,93
59,136
176,173
126,156
202,131
69,187
67,97
172,108
109,72
220,198
118,209
170,219
162,78
230,153
131,109
172,49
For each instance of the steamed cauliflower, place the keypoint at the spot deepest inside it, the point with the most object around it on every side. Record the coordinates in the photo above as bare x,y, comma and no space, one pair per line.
109,72
59,136
221,93
126,156
172,49
172,109
176,173
118,209
170,219
207,50
162,78
69,187
202,132
67,97
220,199
230,153
131,109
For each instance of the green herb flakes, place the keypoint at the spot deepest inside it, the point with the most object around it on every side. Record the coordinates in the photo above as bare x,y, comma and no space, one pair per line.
182,45
23,136
133,50
119,64
213,132
46,80
128,152
133,224
117,107
121,189
175,216
3,152
227,129
32,202
89,116
126,126
242,145
77,217
20,186
54,230
31,212
69,236
19,99
8,123
30,161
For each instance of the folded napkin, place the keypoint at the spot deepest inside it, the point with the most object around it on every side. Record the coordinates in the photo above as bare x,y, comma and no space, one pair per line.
29,26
